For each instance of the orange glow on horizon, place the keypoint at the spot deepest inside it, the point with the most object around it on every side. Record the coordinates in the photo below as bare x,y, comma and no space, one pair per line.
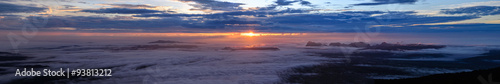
251,34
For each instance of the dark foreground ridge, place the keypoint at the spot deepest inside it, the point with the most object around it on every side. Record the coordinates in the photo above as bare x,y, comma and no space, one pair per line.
485,76
366,64
488,76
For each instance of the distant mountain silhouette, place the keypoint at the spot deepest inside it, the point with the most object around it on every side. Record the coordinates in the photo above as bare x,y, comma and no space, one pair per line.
167,41
381,46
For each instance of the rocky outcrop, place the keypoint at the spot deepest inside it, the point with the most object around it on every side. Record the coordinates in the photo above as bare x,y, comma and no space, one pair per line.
381,46
251,48
388,46
310,43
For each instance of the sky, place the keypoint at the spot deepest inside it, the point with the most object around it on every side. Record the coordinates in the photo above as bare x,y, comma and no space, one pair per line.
279,16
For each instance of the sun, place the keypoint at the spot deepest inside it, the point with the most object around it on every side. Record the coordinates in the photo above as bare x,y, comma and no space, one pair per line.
249,34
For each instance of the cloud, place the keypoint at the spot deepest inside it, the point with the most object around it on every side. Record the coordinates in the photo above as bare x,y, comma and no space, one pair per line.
471,4
378,12
13,8
286,3
130,6
68,6
383,2
93,22
476,10
111,24
236,13
330,18
305,3
289,20
121,11
170,15
214,5
348,21
449,28
222,24
390,17
10,22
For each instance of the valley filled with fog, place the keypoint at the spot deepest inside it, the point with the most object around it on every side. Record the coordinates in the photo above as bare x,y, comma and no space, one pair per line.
242,59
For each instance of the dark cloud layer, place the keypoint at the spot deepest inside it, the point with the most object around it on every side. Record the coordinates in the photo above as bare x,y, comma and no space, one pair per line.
306,3
346,21
284,2
448,28
131,6
383,2
13,8
172,24
91,22
476,10
265,19
391,21
378,12
214,5
237,13
344,17
287,2
121,11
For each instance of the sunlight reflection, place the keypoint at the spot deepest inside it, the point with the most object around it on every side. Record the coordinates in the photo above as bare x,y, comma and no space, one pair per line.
249,34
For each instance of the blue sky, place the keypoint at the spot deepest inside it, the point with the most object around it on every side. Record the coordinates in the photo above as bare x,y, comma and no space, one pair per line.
255,15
